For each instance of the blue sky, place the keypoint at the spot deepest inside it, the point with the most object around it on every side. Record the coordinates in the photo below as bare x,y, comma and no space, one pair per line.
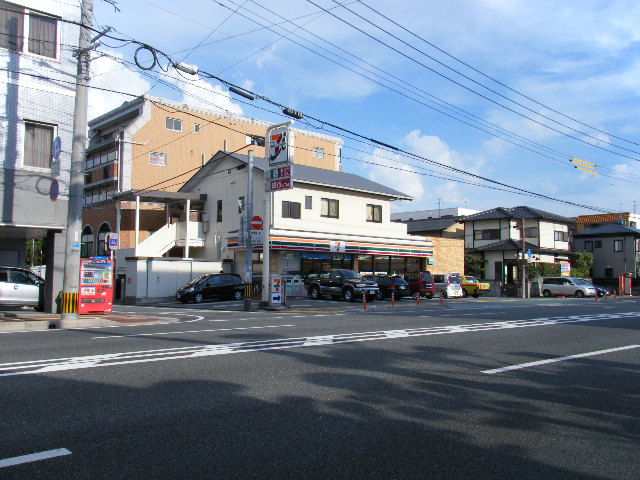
507,90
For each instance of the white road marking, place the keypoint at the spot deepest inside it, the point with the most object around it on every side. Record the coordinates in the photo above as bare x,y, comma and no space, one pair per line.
558,359
34,457
145,356
190,331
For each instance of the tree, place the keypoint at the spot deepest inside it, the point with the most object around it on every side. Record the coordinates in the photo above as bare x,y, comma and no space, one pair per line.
474,265
581,262
35,251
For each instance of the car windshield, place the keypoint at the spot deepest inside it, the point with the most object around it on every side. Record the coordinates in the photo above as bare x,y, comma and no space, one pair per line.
398,281
197,280
454,280
472,279
579,281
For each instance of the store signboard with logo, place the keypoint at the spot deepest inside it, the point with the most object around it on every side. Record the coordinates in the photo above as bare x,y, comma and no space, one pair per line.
338,247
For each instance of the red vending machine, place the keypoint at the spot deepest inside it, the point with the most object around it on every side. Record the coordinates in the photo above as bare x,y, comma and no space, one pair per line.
96,285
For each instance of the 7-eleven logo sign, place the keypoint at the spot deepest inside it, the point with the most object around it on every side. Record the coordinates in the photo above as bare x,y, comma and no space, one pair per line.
279,146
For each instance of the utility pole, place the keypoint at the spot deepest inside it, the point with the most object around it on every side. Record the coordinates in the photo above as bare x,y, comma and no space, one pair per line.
248,248
524,263
76,178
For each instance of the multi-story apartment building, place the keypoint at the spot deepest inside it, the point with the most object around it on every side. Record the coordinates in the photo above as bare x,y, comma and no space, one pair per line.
37,102
152,143
496,236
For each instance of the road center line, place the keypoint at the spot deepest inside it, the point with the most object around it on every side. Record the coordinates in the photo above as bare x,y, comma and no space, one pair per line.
558,359
190,331
34,457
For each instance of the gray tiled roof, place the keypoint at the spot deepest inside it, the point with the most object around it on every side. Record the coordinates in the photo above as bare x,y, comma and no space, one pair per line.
609,229
511,244
517,212
308,175
430,224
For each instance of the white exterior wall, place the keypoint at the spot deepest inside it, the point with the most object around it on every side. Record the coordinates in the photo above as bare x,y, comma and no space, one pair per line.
547,230
474,226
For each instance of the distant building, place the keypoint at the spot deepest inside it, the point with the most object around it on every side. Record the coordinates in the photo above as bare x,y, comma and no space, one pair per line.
37,104
456,212
447,235
615,250
588,222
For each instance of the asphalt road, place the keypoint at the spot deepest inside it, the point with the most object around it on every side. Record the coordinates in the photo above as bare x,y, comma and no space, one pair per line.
477,389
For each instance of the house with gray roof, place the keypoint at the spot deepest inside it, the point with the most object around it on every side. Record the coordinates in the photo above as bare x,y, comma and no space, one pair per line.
615,251
329,219
500,235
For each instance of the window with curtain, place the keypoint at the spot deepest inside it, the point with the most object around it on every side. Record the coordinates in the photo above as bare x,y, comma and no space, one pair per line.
374,213
159,159
11,27
43,35
329,208
290,209
38,145
219,211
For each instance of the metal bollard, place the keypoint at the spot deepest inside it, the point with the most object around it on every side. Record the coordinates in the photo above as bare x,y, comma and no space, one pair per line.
364,301
441,298
393,298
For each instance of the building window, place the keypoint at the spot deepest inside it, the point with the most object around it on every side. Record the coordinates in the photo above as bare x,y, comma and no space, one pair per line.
196,128
308,202
588,246
598,243
43,31
86,247
374,213
219,211
560,236
329,208
159,159
318,152
617,245
492,234
102,239
42,35
290,209
531,232
241,204
608,272
38,145
174,124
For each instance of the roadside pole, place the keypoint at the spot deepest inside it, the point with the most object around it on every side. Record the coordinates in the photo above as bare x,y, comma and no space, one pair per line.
524,264
268,201
71,277
248,247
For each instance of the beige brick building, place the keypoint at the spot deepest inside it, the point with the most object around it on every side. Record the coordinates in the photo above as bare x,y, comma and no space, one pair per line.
156,144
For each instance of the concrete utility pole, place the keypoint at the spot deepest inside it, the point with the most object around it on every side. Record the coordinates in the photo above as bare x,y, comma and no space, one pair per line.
524,264
248,248
76,177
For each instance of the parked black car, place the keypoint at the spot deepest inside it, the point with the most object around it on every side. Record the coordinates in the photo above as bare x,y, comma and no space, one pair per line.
389,283
340,283
212,286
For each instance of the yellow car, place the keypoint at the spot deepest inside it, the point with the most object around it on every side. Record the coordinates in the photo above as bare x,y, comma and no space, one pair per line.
472,286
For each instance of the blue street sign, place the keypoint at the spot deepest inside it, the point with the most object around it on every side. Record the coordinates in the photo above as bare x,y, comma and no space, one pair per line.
57,148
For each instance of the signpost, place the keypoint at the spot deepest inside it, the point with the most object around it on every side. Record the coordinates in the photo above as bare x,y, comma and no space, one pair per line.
256,230
276,291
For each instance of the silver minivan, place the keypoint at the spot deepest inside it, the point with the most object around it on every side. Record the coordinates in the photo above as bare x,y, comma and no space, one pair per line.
447,285
566,287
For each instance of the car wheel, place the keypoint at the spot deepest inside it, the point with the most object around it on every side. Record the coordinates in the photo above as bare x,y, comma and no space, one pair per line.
443,294
348,295
315,293
237,295
379,295
579,294
546,293
464,293
197,298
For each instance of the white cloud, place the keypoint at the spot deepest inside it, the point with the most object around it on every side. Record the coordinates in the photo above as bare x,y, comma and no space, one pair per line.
403,178
113,75
201,93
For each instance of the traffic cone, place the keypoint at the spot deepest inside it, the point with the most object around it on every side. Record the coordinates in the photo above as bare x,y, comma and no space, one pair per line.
393,298
364,301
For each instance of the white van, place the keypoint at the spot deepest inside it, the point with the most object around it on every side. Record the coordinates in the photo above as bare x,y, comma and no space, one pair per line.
566,287
447,285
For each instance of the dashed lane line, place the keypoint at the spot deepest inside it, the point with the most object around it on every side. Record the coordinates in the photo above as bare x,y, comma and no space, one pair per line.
34,457
145,356
557,359
154,334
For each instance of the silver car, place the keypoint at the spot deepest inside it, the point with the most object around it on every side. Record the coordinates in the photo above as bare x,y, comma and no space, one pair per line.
566,287
20,287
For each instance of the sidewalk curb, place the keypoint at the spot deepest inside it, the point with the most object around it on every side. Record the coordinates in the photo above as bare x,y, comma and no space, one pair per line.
89,322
